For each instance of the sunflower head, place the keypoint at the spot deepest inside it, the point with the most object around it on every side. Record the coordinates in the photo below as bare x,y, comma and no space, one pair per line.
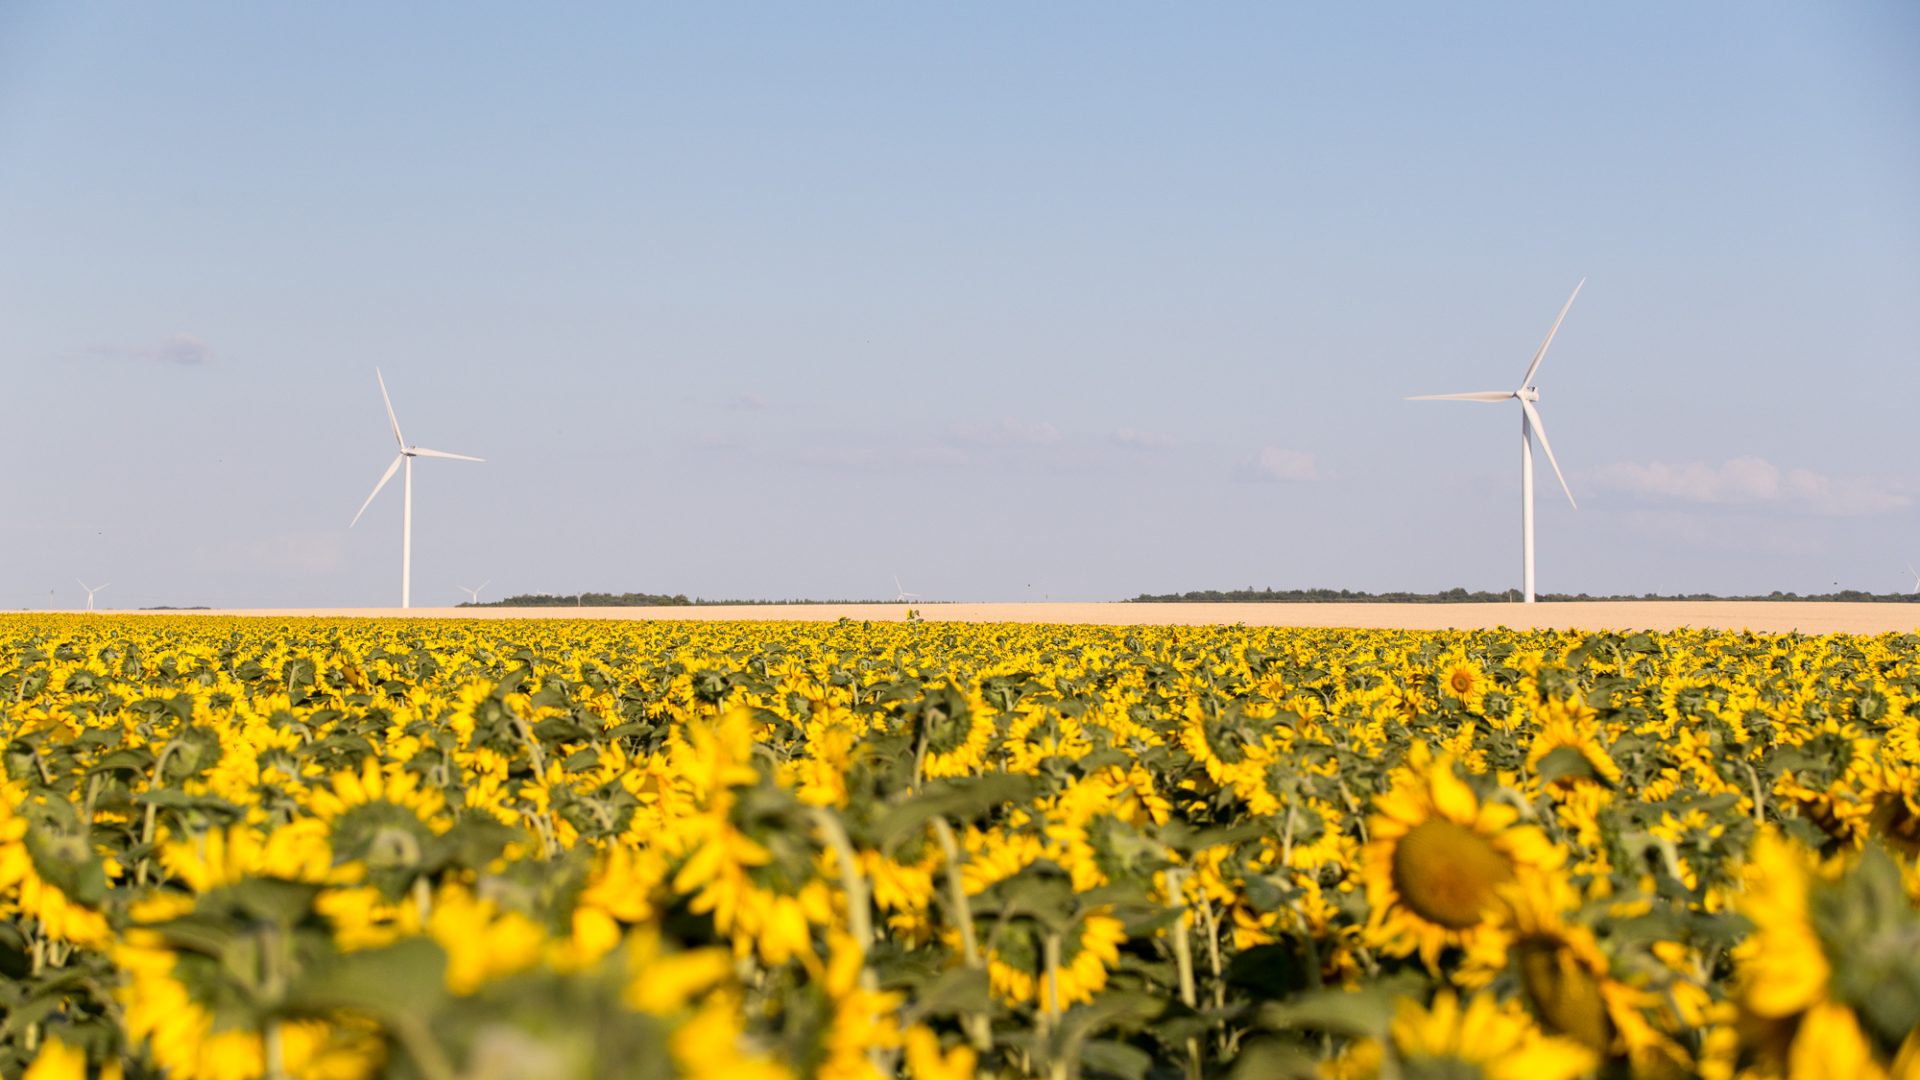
1463,681
1439,858
1482,1040
1833,938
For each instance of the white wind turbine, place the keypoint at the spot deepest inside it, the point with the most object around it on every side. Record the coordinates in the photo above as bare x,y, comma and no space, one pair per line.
91,589
902,594
474,590
1916,578
1530,429
406,456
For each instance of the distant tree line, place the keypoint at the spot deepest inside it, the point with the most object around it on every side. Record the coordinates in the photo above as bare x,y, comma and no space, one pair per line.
590,599
634,599
1251,595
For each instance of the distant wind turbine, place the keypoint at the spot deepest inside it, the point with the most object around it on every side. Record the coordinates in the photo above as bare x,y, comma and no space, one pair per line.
1916,578
91,589
406,456
1530,429
902,593
474,591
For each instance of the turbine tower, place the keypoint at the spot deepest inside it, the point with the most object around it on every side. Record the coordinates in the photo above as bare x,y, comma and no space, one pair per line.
901,594
1916,578
91,589
474,591
405,457
1530,429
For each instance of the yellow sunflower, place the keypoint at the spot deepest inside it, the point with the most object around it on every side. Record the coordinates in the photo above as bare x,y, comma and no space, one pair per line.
1464,681
1017,969
1438,858
1569,729
1784,968
1482,1039
1568,981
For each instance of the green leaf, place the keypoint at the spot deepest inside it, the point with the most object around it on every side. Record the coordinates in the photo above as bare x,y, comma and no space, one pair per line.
963,799
1356,1013
408,978
1270,1058
1566,762
1108,1057
955,991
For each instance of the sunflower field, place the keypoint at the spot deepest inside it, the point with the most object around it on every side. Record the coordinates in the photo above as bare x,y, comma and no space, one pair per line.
332,849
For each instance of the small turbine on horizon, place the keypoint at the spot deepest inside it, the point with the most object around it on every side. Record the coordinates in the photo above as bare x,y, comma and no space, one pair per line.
91,589
1530,428
406,456
474,591
901,594
1916,578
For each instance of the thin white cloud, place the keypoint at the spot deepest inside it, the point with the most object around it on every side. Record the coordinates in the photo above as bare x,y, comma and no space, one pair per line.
186,350
1276,464
745,402
1143,440
1754,482
869,457
301,554
1009,431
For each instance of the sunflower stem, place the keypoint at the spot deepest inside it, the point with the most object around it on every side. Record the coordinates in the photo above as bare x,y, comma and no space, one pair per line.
975,1024
413,1034
1212,924
1183,960
1050,992
1759,797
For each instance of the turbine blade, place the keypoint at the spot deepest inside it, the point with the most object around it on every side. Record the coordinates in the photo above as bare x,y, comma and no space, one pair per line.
1527,380
483,585
392,420
1540,432
422,452
384,477
1477,395
84,585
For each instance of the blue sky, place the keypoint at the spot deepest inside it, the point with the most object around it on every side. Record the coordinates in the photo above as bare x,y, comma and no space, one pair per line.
1072,301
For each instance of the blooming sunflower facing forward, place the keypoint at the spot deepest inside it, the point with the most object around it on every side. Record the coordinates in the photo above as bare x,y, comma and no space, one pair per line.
1462,680
1439,858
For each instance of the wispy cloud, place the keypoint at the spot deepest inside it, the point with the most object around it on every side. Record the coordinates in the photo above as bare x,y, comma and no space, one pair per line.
745,402
1276,464
1009,431
872,457
1754,482
186,350
303,554
1135,438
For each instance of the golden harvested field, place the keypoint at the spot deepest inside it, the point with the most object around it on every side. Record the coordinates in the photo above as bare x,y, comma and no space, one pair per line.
434,848
1758,616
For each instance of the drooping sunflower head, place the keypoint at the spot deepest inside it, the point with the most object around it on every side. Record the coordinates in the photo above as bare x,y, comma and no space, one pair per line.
380,825
1439,858
1566,748
954,731
1018,971
1482,1039
1567,980
1833,940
